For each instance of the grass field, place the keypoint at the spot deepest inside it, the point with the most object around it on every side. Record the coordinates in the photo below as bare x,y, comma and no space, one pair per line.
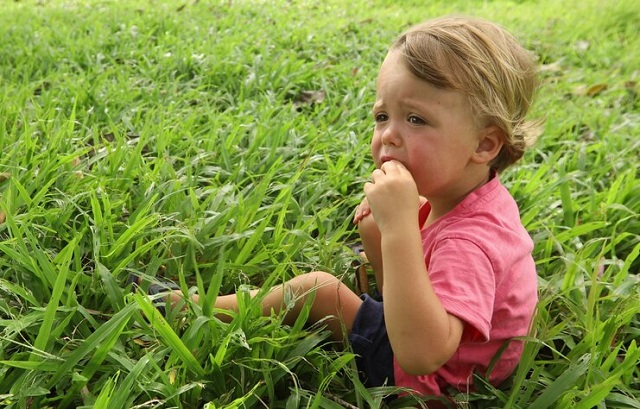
224,144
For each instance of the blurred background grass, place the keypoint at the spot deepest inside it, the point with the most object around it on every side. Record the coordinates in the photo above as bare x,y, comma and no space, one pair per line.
224,145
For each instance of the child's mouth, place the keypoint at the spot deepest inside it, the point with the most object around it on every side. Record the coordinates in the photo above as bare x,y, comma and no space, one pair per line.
384,159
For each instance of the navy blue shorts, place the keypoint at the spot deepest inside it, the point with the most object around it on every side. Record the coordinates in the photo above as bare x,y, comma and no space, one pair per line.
370,343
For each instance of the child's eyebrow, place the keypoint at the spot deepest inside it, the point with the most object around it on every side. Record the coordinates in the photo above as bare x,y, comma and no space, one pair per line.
423,107
427,104
377,105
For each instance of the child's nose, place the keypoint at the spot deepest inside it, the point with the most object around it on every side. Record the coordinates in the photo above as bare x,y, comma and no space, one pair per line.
391,134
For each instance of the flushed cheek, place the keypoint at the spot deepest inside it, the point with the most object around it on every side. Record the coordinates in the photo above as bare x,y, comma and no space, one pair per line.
375,151
419,165
416,158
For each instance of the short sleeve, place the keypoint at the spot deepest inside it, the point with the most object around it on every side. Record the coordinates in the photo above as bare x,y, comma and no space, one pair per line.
464,280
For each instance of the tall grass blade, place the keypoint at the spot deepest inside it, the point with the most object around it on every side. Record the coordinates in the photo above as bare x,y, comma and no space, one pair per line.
107,332
563,383
168,335
64,259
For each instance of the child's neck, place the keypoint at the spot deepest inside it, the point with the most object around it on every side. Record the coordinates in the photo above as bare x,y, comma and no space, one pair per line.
443,205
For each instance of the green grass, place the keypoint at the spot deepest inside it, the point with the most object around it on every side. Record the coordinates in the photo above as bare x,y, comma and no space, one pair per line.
170,138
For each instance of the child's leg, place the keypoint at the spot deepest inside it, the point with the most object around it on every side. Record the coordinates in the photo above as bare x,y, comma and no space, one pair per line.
370,238
334,302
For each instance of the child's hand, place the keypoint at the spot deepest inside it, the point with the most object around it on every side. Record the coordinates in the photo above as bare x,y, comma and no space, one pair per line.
363,210
392,195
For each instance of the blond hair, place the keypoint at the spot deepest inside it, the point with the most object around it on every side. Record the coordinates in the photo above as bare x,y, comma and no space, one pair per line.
483,61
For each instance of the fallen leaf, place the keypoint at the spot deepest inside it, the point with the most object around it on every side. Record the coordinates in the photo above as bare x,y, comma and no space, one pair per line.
590,91
309,98
553,67
5,176
140,342
596,89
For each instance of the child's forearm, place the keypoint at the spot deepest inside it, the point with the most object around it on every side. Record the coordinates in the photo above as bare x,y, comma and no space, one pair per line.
370,238
422,334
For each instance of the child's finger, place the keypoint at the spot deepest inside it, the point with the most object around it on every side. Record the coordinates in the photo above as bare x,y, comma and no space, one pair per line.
392,165
358,216
361,212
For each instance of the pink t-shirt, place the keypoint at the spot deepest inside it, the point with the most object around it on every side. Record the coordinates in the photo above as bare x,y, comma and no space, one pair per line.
479,261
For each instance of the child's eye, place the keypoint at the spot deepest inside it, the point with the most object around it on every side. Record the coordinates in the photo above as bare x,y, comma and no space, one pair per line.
381,117
416,120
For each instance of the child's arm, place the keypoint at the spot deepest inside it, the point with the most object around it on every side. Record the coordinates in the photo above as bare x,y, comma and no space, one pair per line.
422,334
370,238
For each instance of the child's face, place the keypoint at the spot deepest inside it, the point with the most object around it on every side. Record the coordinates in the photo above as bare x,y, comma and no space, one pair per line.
431,131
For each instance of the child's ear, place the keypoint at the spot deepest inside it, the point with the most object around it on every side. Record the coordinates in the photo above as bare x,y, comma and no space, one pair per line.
491,141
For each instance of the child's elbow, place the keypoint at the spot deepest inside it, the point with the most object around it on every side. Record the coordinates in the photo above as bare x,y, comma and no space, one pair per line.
423,365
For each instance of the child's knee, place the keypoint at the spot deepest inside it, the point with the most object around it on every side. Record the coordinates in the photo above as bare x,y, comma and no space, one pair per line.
368,228
321,279
320,283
